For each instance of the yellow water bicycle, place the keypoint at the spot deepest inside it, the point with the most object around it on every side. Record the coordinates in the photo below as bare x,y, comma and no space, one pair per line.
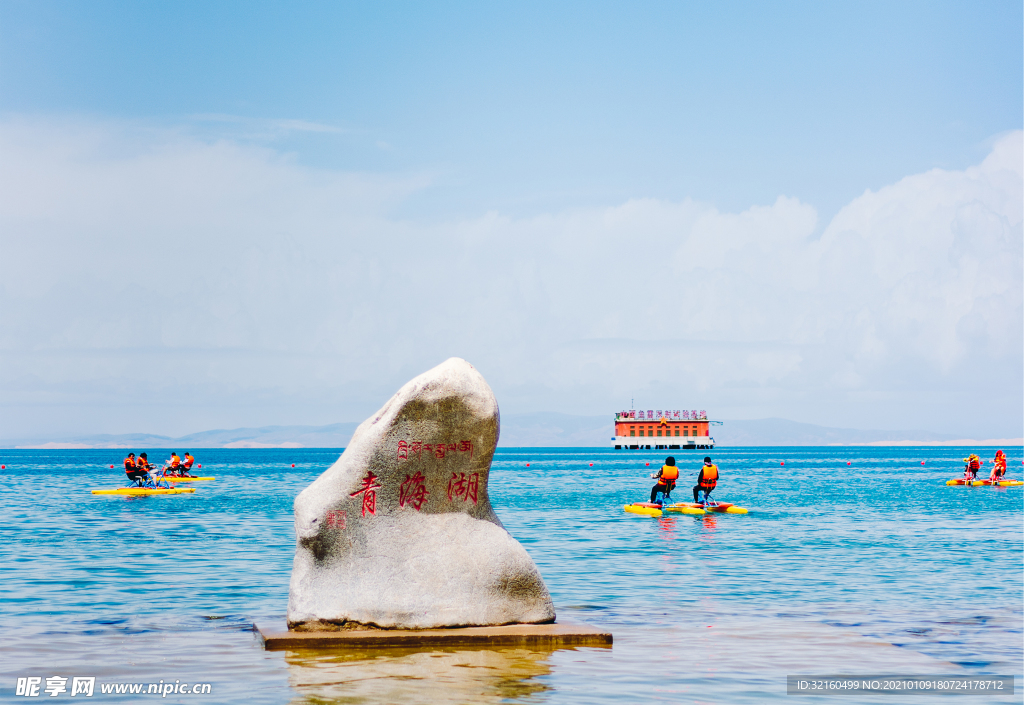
653,509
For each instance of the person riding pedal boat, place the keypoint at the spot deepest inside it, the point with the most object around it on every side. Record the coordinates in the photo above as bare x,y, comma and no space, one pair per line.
972,464
142,463
173,465
998,467
666,477
186,464
707,480
132,470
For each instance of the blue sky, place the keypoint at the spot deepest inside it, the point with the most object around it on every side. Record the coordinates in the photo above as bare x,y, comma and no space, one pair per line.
523,106
572,150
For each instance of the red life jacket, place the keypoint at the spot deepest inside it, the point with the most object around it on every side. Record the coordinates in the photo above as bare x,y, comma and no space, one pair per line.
709,478
974,465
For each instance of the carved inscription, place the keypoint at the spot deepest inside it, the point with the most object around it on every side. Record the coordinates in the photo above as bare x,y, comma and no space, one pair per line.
369,491
413,492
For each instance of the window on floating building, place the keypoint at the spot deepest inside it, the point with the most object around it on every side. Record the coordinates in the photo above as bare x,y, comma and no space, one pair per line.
632,431
677,430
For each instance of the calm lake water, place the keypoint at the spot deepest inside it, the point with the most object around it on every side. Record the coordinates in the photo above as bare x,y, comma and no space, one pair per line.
869,568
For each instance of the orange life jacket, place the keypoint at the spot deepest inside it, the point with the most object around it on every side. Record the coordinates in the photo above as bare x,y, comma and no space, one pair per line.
669,474
188,461
175,461
709,478
129,464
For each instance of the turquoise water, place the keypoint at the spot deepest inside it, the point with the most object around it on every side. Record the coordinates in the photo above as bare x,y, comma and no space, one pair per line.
875,567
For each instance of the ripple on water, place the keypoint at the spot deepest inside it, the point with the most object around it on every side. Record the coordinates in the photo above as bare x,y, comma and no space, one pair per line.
876,566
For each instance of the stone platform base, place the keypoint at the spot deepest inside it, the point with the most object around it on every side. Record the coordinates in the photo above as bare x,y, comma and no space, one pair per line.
542,635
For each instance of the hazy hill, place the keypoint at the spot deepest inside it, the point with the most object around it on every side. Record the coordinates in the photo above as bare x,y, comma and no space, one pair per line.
782,432
543,429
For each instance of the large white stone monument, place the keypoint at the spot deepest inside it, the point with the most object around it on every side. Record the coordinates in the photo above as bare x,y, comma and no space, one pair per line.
399,533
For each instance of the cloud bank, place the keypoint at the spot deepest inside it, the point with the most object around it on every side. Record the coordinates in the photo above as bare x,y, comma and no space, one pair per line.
162,283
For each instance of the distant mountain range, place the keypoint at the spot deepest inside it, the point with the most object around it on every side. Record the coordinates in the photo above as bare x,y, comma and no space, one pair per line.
517,430
335,435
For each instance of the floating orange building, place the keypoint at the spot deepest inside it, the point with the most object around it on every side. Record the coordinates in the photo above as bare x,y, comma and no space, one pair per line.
663,429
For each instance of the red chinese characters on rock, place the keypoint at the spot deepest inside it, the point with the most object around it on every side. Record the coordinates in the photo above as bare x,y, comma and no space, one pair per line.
335,519
438,450
369,491
413,491
463,486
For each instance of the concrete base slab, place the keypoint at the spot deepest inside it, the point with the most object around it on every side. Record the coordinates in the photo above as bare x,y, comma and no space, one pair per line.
545,635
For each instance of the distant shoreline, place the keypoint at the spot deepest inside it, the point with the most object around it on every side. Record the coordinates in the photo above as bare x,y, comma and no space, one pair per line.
537,430
243,445
959,442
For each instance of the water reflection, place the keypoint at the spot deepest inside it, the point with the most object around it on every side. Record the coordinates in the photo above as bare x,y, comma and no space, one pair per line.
667,528
436,676
708,524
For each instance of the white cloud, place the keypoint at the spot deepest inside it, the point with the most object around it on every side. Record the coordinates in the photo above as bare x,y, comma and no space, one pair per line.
143,267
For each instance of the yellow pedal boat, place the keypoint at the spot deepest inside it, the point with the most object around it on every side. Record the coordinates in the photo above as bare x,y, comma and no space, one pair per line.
695,508
643,509
654,510
144,491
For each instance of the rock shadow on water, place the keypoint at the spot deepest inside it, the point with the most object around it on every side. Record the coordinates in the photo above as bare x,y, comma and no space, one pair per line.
438,676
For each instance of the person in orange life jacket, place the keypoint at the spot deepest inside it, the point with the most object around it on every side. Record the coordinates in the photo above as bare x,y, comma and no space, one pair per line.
186,463
707,480
142,463
971,467
131,469
666,477
998,467
174,464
